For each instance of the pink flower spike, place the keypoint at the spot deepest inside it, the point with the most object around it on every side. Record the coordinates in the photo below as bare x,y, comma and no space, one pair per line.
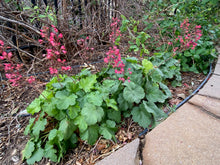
57,53
106,60
1,43
64,52
62,47
9,55
56,30
60,35
130,72
40,41
169,43
129,68
53,70
92,48
31,80
129,81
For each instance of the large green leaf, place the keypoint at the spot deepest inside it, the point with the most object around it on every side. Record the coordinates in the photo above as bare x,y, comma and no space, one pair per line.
112,103
37,156
50,108
133,93
28,150
39,126
156,75
154,94
91,134
29,126
108,129
67,128
95,98
87,83
165,89
81,123
147,66
141,116
114,115
110,86
92,113
73,111
157,113
54,133
50,152
34,107
64,100
123,104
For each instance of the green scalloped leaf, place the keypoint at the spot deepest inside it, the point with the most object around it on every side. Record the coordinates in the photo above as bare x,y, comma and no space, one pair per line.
35,106
92,113
28,150
64,100
91,134
141,116
147,66
87,83
39,126
133,93
37,156
108,129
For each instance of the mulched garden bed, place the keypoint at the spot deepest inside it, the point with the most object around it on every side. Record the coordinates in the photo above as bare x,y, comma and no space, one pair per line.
14,100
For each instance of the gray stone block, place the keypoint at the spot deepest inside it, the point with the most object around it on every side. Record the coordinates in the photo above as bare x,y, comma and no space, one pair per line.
124,156
208,104
188,137
212,87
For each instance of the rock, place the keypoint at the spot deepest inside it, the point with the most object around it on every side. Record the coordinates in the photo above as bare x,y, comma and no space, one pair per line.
181,95
15,158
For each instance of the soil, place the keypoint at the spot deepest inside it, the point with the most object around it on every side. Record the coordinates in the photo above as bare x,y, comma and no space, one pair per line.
14,100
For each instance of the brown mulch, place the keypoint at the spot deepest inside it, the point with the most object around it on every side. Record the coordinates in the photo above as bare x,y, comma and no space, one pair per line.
14,100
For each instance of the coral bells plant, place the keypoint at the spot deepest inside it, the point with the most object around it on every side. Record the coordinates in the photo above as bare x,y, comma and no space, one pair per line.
55,50
189,37
113,55
115,30
12,70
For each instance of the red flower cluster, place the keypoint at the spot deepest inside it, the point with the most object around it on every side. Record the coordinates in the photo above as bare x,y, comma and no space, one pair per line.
189,38
12,71
54,49
113,55
115,30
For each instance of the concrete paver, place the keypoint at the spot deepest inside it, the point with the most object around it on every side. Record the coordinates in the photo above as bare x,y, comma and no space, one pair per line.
188,137
217,69
212,87
209,104
124,156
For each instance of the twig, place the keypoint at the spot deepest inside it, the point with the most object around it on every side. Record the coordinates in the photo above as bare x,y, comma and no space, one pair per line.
20,23
12,45
23,35
96,144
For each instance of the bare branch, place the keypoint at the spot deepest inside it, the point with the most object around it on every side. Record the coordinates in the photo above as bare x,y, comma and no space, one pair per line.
20,23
